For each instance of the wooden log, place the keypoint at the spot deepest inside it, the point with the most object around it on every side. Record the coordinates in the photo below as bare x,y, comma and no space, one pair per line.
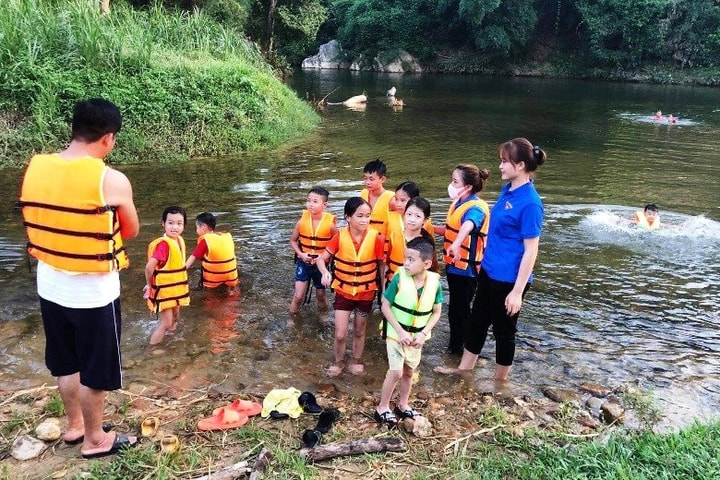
261,464
353,447
231,472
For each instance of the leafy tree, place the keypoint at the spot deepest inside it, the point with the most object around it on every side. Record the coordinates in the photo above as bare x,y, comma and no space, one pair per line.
624,33
693,31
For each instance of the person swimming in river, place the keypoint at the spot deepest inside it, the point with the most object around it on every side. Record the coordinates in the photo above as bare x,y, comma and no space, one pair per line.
648,219
671,119
659,116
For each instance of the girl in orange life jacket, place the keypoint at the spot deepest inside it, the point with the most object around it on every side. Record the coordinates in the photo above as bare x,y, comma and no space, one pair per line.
464,231
397,235
217,251
308,240
167,284
359,257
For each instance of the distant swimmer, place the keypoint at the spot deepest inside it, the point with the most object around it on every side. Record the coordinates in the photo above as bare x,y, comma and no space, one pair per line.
648,219
671,119
391,92
659,116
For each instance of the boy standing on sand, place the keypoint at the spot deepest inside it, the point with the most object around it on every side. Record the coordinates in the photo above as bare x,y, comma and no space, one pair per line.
412,304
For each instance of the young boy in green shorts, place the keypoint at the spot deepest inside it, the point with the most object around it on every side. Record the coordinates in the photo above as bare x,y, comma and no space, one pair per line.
411,304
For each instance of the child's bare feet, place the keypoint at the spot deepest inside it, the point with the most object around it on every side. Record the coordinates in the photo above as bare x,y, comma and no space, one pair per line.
335,369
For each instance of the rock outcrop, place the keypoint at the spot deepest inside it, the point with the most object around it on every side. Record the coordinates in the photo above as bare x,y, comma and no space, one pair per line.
331,56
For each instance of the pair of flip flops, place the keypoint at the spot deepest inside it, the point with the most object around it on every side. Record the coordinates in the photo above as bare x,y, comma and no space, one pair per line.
149,427
312,438
234,415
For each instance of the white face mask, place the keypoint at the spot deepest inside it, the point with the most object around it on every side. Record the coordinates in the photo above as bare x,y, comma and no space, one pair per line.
454,191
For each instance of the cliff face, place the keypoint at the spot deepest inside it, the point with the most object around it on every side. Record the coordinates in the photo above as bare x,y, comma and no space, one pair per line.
332,56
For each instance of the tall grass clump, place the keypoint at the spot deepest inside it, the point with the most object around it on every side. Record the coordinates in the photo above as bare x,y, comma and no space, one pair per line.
187,86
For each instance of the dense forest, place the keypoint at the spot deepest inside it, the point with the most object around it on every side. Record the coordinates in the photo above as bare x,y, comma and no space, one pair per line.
605,34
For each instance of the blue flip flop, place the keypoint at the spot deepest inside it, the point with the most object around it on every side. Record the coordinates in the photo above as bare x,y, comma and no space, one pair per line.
121,442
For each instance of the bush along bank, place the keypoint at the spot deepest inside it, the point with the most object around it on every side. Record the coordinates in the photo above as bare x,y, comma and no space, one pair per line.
186,85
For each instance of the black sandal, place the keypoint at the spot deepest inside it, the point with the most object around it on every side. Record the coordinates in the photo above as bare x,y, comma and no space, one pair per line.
387,418
409,413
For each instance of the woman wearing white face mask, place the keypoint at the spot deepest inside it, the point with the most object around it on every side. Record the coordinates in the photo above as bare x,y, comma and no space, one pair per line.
464,231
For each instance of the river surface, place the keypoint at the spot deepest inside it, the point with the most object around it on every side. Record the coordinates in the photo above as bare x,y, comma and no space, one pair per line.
610,304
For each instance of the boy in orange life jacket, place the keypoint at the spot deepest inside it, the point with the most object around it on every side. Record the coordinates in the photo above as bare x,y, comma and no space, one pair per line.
167,287
381,201
308,240
412,304
217,251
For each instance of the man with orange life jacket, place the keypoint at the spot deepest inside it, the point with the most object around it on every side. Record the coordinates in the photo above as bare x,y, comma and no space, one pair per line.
167,286
464,231
308,240
77,212
217,251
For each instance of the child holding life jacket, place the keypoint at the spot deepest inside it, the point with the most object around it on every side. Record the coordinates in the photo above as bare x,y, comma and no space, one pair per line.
217,251
167,287
398,234
308,240
358,253
412,304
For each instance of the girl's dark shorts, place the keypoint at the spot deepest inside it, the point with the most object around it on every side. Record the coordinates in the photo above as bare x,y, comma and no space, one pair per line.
84,340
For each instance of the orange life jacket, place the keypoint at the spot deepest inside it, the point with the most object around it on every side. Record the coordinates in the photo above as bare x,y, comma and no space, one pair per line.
169,284
219,265
395,244
313,240
76,231
453,222
379,214
355,271
643,224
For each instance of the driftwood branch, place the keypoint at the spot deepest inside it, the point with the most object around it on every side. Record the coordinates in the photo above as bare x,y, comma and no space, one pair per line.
261,464
228,473
353,447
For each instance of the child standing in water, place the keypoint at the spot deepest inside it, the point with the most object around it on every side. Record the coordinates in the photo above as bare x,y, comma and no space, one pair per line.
513,238
166,288
308,240
217,251
466,226
379,199
358,253
412,304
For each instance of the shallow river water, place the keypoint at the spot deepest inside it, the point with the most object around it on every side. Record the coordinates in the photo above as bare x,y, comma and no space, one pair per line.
610,304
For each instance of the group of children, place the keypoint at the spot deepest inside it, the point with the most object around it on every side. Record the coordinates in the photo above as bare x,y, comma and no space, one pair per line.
167,287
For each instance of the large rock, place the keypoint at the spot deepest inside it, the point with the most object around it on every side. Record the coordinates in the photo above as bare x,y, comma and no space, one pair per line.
396,61
330,56
26,447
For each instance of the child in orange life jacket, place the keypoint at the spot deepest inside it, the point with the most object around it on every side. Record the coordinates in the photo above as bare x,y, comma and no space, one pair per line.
359,257
167,288
380,200
411,304
308,240
398,233
217,251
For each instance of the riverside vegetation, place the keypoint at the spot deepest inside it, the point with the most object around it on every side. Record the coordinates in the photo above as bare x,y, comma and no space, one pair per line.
187,86
475,436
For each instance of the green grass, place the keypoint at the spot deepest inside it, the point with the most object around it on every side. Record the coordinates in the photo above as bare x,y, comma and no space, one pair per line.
186,85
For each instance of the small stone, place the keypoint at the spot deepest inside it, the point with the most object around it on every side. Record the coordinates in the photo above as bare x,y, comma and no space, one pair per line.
422,427
595,389
49,430
594,403
612,412
26,447
407,424
560,395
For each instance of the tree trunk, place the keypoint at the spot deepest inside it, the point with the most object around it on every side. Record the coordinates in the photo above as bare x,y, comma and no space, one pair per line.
353,447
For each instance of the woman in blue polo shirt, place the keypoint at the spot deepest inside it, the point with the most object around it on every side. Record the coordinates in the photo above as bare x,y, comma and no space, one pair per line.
465,228
510,254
